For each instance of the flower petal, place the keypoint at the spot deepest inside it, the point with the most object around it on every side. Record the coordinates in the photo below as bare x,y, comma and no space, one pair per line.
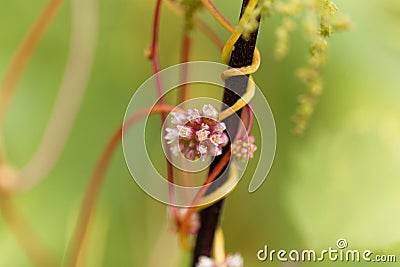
178,118
220,127
234,260
172,135
193,114
185,131
175,149
205,262
202,135
210,111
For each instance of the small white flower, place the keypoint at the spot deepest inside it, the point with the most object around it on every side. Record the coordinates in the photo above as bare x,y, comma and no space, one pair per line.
202,149
193,114
234,260
220,127
172,135
210,111
185,131
175,149
205,262
202,135
243,149
215,150
178,118
205,126
218,139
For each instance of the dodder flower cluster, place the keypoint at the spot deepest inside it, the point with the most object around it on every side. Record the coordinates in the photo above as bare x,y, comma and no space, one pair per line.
243,149
197,134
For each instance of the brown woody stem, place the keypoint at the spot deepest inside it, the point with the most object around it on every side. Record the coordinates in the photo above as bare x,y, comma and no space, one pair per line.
241,56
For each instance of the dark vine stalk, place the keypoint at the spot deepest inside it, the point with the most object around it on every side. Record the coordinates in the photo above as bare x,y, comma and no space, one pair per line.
241,56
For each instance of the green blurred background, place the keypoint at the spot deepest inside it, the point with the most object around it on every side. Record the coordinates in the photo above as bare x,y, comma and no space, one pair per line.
339,180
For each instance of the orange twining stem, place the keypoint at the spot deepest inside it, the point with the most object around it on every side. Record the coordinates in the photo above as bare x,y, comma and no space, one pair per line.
213,175
93,189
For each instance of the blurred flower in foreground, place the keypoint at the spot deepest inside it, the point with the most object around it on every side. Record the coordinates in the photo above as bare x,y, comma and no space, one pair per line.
234,260
197,134
243,149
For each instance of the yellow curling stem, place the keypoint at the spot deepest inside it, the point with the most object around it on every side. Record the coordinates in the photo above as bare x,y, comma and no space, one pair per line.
237,32
226,51
219,250
246,98
246,69
243,101
226,54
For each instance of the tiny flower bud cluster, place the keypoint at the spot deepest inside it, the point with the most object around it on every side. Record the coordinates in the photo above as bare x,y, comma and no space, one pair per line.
197,134
243,149
232,260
